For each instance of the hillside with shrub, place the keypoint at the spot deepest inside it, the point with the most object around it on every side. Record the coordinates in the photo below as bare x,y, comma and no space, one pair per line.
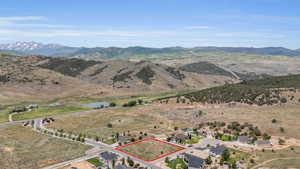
260,92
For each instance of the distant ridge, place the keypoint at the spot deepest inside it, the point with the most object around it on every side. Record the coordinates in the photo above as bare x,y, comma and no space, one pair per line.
113,53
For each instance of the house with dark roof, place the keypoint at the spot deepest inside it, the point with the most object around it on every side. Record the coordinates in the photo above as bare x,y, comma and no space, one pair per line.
194,162
181,137
188,130
108,156
243,139
120,167
217,150
263,143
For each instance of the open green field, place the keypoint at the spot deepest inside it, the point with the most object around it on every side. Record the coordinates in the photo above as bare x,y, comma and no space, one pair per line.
44,112
21,147
4,116
150,150
177,163
95,161
279,159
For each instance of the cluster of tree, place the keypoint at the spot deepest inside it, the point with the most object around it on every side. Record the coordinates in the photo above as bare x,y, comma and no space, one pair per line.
60,133
133,103
226,158
234,129
260,92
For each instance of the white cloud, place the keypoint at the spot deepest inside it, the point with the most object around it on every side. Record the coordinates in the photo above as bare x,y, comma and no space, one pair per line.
197,27
22,18
81,33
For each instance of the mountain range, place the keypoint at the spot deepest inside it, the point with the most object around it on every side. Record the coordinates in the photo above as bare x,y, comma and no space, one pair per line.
113,53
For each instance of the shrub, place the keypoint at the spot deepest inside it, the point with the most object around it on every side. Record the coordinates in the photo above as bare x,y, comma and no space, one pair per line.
109,125
112,104
281,142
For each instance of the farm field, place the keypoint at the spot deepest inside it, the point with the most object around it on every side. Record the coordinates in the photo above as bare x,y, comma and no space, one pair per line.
150,149
21,147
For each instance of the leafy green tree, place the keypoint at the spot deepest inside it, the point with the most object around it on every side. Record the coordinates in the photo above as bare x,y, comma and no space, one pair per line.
208,160
130,162
112,104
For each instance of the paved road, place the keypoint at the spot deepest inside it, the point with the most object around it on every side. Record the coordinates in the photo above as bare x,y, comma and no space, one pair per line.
103,147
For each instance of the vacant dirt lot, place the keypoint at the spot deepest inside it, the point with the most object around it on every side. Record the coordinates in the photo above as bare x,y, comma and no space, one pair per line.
146,119
21,147
149,149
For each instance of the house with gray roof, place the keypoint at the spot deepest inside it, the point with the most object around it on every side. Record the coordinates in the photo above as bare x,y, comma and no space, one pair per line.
108,156
98,105
194,162
217,150
124,139
263,143
121,167
243,139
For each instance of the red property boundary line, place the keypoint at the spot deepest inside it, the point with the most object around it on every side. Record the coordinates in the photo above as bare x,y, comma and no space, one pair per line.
180,148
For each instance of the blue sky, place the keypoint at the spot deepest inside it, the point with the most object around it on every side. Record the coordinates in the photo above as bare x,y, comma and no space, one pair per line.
153,23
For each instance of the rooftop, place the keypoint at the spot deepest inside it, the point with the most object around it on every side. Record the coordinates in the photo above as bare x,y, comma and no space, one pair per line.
243,139
108,156
218,149
98,105
193,161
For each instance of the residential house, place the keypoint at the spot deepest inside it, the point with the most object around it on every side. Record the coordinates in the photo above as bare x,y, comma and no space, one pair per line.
32,106
54,104
263,143
217,150
181,137
120,167
123,139
108,156
194,162
243,139
188,130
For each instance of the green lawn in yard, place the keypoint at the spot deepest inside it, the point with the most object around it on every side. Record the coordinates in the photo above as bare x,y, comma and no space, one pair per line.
95,161
177,163
193,140
44,112
226,138
110,141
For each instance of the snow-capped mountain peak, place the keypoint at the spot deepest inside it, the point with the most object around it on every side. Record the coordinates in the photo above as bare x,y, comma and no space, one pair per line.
28,46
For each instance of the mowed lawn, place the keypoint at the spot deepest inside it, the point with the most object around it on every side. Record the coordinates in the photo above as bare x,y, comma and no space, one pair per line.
21,147
150,149
44,112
